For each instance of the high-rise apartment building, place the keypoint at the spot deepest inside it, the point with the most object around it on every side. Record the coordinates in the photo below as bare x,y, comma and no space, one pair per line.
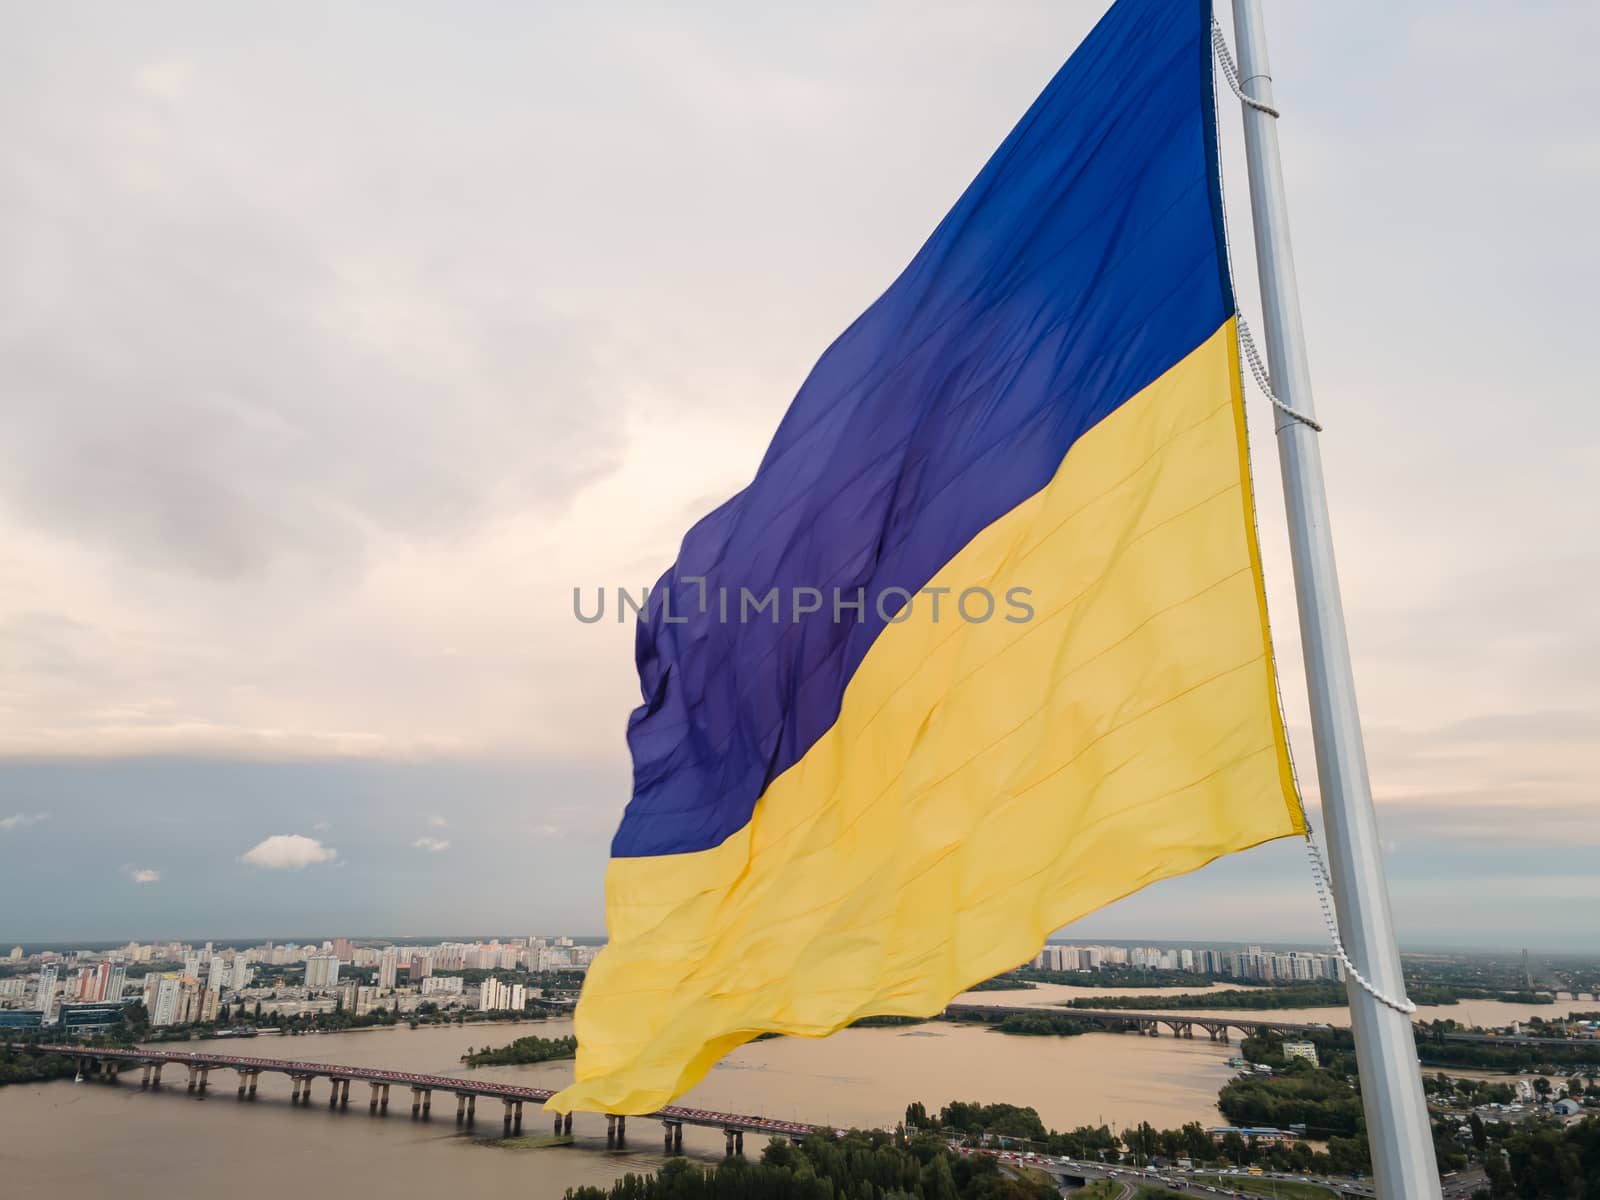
388,964
322,972
44,996
161,994
497,995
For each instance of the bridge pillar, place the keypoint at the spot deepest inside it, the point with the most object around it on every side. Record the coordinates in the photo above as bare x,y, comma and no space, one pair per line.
461,1108
622,1129
144,1081
611,1130
205,1079
155,1076
505,1124
113,1070
472,1109
372,1103
666,1134
383,1100
194,1073
677,1137
427,1102
294,1089
516,1117
244,1078
738,1141
344,1093
255,1078
727,1142
557,1130
333,1093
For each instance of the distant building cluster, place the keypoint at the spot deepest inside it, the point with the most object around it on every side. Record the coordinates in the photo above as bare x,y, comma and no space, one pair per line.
339,973
1250,963
495,995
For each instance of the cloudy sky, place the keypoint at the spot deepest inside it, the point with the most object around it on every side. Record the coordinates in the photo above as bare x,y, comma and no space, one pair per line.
338,344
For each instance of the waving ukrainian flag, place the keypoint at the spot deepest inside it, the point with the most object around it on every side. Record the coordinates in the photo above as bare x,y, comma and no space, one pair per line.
867,809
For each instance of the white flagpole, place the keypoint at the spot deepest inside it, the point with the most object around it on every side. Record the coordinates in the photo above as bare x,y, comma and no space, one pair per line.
1398,1128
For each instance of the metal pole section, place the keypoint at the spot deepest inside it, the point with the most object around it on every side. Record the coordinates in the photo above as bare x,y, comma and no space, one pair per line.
1391,1083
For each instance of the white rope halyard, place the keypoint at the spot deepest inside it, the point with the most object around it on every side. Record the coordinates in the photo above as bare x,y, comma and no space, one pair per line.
1258,369
1230,70
1324,882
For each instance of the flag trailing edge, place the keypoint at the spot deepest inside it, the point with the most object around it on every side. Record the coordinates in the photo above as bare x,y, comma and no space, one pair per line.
837,816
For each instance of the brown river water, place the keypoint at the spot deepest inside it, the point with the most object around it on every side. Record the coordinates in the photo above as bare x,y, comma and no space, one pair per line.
91,1139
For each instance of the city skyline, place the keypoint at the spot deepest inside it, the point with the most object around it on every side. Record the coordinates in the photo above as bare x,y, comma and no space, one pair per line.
295,508
407,940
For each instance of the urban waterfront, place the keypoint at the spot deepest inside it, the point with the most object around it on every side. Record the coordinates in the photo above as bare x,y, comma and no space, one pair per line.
79,1136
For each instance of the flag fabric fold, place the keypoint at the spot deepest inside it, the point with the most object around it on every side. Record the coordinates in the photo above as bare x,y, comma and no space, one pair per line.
983,645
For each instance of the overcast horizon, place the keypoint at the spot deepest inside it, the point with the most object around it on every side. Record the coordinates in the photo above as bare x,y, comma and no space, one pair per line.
338,352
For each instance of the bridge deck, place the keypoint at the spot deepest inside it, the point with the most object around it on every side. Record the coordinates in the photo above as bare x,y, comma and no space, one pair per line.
744,1122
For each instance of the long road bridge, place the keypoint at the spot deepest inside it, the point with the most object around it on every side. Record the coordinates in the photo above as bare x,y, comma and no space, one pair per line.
108,1064
1127,1021
1218,1026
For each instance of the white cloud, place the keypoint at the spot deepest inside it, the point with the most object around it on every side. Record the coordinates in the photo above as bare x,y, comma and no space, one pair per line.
431,843
22,821
144,875
288,852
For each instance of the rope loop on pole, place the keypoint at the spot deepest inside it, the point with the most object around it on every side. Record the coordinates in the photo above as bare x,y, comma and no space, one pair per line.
1258,370
1324,882
1230,70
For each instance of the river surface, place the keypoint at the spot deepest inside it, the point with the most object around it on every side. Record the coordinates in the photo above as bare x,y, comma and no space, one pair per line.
92,1139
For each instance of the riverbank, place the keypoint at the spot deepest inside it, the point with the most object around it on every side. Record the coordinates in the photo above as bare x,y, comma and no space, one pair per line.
860,1077
22,1066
